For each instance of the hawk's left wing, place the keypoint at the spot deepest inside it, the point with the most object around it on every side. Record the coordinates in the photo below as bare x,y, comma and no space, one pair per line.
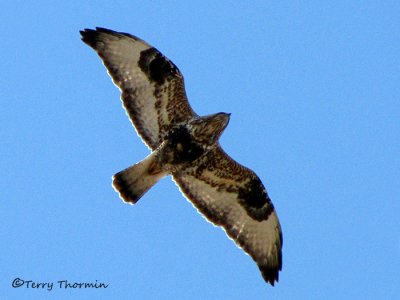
232,196
153,91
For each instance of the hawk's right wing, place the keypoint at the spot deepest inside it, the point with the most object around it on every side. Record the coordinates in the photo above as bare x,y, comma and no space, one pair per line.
152,87
232,196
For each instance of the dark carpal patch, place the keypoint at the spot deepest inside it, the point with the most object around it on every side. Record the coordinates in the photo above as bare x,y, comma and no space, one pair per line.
185,149
255,200
156,66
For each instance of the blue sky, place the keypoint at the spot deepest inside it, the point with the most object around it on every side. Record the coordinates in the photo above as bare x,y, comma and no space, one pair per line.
314,90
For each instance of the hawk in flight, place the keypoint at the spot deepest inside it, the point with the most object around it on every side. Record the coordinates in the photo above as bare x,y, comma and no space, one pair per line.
186,146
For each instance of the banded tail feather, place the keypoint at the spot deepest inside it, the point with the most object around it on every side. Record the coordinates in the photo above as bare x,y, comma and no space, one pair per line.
133,182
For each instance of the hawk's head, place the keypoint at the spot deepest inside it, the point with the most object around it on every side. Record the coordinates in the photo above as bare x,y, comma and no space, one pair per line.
207,130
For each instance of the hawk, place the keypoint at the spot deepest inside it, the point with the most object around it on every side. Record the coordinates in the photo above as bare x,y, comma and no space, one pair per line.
186,146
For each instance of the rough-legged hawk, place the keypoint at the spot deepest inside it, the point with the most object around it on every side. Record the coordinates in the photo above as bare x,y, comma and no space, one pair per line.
186,146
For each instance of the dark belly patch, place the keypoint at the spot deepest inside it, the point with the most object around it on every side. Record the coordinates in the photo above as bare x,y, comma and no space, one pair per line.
183,147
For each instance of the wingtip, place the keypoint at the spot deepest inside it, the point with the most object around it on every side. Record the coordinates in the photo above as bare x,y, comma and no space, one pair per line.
270,275
89,36
97,29
86,31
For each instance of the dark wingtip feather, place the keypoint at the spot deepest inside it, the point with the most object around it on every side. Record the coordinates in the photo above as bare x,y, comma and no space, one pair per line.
270,275
89,37
92,36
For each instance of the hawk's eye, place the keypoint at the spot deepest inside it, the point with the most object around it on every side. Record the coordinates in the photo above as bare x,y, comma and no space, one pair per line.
179,147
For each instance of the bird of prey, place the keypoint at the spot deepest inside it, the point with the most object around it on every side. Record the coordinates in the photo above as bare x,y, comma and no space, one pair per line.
186,146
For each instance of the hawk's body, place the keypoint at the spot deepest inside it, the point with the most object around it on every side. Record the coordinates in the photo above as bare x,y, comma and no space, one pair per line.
186,146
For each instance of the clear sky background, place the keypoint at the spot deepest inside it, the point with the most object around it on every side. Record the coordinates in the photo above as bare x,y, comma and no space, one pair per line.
314,92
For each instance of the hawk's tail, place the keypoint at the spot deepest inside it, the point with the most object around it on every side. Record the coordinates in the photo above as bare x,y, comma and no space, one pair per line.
136,180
